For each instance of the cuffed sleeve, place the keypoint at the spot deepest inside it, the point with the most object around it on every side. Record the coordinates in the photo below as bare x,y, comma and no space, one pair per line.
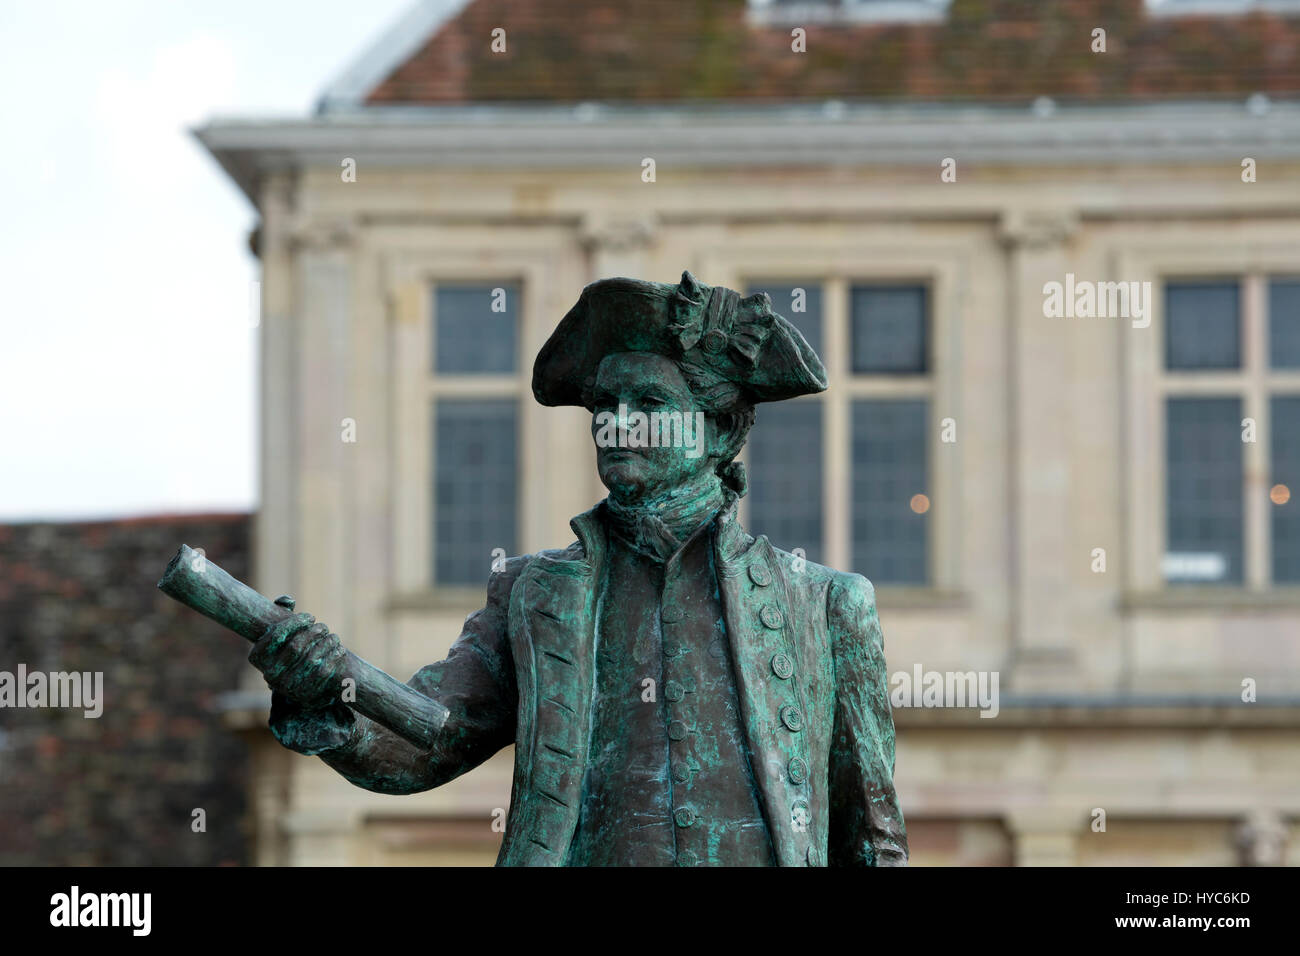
476,683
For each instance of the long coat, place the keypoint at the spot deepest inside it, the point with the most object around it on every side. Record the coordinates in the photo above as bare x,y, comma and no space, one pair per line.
523,668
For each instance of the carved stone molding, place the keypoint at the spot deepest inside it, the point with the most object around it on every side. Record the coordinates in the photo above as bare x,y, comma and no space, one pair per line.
1037,228
607,233
1262,839
322,235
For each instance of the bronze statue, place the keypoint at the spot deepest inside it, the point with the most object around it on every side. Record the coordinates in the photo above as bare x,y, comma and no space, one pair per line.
678,693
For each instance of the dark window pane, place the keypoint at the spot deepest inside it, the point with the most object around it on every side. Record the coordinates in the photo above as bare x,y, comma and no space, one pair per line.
784,454
469,337
784,299
1284,323
889,328
475,485
1203,471
889,470
1285,416
1202,325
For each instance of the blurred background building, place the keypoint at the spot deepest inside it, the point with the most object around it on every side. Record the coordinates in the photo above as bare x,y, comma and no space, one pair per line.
1101,510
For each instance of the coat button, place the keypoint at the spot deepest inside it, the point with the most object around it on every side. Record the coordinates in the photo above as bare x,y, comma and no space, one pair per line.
792,717
760,575
782,666
672,647
681,774
798,770
688,858
673,691
684,817
771,616
676,730
672,614
814,856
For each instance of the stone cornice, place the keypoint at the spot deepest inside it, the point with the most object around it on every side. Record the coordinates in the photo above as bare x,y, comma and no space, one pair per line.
1044,712
832,134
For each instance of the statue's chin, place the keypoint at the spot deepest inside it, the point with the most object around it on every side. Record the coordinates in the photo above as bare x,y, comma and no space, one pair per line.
623,483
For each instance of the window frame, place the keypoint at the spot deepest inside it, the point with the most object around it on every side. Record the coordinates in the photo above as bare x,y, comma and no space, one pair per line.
412,276
840,265
1149,384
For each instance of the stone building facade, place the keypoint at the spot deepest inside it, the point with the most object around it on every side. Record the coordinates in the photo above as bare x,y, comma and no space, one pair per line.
1069,503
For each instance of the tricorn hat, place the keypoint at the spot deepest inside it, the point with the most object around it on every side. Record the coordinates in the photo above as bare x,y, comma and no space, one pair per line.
740,338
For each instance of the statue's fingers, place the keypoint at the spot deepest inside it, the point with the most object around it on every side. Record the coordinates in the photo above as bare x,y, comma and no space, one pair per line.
311,665
337,653
327,687
295,660
318,662
268,654
305,644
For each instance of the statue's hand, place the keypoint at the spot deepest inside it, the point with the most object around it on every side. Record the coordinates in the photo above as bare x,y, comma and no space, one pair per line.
302,660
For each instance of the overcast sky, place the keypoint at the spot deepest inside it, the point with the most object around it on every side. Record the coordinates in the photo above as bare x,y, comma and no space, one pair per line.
127,360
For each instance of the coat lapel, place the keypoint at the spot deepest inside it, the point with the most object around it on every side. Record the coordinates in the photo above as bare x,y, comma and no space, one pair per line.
557,607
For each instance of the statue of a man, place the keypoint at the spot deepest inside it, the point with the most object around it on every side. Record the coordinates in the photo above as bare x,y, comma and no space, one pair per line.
678,693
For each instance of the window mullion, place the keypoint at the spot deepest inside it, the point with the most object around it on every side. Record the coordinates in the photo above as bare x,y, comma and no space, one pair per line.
837,515
1258,569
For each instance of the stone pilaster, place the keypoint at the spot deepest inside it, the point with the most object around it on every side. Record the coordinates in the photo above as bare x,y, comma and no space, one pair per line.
1036,242
1044,837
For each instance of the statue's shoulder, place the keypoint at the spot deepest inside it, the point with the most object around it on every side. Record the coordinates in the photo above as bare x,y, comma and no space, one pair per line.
511,569
846,592
797,569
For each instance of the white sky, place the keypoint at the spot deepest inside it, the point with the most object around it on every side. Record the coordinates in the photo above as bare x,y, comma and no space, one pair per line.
127,352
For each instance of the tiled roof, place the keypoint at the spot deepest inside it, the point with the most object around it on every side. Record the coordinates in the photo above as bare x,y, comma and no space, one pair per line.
670,50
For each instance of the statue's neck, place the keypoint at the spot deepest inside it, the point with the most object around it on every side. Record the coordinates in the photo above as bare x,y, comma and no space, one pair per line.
682,509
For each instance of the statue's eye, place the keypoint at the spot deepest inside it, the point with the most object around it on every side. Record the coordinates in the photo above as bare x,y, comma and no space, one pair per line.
653,401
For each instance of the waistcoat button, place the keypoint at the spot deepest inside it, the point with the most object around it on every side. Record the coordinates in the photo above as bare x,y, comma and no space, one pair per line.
792,717
782,666
798,770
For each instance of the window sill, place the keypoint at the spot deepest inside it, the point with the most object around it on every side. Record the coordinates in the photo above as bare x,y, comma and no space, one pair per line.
1283,599
900,597
440,599
888,596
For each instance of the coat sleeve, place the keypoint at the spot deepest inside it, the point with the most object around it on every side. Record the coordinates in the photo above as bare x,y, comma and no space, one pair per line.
866,822
476,683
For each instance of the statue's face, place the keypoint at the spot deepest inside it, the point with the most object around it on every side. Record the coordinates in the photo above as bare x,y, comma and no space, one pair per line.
629,466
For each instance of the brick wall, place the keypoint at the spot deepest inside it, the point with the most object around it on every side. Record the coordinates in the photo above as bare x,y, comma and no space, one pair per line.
120,789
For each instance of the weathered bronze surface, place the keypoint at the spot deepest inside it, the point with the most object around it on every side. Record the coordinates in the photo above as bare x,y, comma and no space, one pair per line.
678,692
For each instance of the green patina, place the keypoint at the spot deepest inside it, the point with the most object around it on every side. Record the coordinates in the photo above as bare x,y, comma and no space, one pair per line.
677,691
